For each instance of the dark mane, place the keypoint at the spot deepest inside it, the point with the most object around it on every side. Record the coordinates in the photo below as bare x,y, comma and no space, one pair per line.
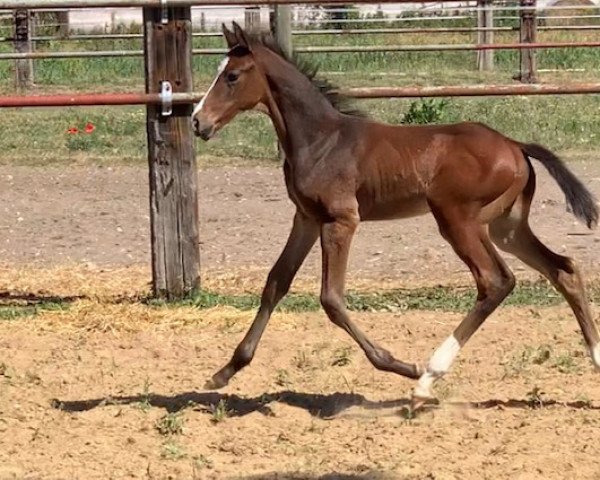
341,103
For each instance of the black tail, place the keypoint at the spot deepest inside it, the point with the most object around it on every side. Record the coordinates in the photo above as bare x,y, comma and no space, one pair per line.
578,197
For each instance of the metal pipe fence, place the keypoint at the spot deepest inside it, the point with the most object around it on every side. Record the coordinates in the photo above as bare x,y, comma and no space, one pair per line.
309,32
92,99
315,49
68,4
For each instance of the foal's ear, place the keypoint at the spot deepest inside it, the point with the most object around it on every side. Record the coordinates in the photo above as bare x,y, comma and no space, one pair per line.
240,35
229,36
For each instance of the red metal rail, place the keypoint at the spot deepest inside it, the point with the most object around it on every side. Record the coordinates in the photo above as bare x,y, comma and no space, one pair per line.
84,99
12,101
473,90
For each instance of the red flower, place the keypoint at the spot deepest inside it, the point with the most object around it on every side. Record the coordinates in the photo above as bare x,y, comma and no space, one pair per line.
89,127
73,130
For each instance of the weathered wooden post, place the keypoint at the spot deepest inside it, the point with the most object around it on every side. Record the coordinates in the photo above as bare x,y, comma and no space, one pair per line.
252,19
528,34
171,155
281,27
485,34
62,19
23,44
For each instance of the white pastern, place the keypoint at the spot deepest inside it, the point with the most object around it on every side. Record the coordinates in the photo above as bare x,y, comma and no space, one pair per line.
439,364
220,70
596,355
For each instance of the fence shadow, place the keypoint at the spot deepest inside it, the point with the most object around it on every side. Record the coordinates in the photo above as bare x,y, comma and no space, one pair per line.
20,299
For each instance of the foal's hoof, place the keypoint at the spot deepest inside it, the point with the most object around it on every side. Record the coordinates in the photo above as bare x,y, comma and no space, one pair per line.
214,384
417,402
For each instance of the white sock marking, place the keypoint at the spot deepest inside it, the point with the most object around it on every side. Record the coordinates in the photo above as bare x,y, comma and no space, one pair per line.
444,355
596,355
220,70
439,363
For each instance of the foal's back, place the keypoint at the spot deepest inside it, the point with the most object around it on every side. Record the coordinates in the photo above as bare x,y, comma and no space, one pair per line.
404,170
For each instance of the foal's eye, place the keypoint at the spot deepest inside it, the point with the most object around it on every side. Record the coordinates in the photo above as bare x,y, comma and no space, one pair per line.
232,76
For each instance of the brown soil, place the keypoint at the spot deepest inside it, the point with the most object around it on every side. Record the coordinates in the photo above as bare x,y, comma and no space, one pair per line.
81,404
100,216
82,391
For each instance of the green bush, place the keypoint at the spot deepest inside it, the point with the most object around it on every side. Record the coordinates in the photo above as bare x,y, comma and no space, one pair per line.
425,111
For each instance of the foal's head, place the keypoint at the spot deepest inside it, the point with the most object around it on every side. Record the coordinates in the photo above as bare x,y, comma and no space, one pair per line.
239,85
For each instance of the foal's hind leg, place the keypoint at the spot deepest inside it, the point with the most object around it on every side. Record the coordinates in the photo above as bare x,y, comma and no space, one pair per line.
512,234
336,237
303,236
494,280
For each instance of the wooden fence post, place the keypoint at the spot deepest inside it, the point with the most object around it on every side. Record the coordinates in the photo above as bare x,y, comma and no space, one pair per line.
252,19
63,28
23,44
485,19
528,34
171,155
281,27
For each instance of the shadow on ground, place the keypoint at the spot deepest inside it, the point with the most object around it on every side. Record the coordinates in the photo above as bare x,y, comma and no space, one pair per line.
18,299
368,475
321,406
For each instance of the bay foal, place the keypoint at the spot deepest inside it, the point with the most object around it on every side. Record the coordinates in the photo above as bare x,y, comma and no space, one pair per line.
341,169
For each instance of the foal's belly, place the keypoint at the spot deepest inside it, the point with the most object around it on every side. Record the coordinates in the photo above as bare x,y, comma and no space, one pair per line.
393,208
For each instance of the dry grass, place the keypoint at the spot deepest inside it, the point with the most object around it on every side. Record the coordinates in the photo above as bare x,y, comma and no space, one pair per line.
111,299
89,298
134,282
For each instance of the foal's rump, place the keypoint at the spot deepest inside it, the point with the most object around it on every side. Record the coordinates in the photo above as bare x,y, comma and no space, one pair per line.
476,169
484,165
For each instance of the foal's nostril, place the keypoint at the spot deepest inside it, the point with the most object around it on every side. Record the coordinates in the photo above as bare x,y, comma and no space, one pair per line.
196,124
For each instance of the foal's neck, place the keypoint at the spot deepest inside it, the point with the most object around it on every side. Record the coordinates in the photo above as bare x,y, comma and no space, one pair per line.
303,118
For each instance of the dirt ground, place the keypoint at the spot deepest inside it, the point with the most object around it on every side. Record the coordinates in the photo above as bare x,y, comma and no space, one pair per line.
99,216
112,388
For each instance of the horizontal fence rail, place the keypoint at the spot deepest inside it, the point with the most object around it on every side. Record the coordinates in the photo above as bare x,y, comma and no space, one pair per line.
92,99
324,49
40,4
332,31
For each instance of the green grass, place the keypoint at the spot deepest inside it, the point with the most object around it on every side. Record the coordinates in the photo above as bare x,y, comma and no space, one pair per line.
170,424
220,412
38,136
457,299
13,311
85,73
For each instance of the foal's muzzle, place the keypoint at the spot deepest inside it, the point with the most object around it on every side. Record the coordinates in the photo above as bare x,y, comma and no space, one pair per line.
204,130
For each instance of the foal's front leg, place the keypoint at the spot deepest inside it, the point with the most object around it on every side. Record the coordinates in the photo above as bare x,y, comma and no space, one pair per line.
300,241
336,237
